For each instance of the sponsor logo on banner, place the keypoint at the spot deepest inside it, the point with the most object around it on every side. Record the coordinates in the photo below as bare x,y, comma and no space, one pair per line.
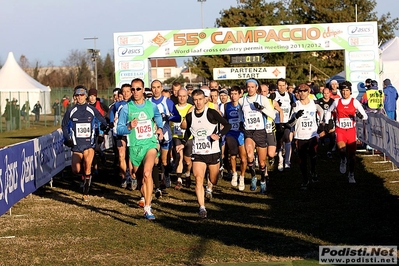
131,65
364,29
131,51
130,75
361,55
362,66
159,40
130,40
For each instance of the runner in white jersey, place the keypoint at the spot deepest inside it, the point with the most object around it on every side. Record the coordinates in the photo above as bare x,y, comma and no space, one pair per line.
286,101
202,124
304,120
255,109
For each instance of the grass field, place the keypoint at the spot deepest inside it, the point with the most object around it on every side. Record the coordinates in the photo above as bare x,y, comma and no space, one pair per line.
54,227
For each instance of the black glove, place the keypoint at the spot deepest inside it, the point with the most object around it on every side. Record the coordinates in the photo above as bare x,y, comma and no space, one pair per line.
111,125
164,117
258,106
272,96
286,126
103,127
107,129
68,143
100,139
359,115
279,102
299,114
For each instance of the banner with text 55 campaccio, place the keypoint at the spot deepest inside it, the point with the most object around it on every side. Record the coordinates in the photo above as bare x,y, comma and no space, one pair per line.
359,40
17,174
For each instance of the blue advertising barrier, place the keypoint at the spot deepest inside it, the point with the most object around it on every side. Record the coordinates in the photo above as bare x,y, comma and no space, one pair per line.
27,166
17,174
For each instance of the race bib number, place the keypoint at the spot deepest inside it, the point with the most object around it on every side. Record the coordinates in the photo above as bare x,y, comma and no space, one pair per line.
345,123
83,130
269,127
201,146
144,129
306,124
235,124
253,120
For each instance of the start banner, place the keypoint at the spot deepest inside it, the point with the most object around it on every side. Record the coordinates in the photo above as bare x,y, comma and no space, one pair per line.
359,40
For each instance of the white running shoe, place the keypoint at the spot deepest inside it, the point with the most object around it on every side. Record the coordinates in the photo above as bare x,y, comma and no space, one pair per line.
241,185
234,179
280,166
342,166
351,178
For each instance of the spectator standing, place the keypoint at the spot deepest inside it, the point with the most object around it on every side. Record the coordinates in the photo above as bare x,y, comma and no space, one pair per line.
65,103
14,114
36,110
57,112
391,96
7,115
25,111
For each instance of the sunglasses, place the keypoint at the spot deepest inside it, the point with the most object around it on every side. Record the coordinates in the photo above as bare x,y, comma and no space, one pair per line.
137,89
302,91
80,94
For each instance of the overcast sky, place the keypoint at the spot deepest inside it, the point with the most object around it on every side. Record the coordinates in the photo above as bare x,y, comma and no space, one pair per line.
47,30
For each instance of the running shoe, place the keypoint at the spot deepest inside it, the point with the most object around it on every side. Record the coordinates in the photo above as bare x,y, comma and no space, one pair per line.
342,166
179,183
188,182
202,213
133,184
208,194
280,166
241,185
142,202
329,155
85,198
304,186
351,178
262,187
149,215
221,169
287,166
167,181
253,183
158,193
234,179
315,178
86,186
124,183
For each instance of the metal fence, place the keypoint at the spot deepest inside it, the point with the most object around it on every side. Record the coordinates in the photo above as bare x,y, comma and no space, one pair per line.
18,108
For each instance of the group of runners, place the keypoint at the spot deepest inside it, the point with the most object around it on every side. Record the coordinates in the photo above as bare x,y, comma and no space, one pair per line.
203,132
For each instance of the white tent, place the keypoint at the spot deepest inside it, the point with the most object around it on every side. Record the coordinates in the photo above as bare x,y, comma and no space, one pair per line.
16,83
389,65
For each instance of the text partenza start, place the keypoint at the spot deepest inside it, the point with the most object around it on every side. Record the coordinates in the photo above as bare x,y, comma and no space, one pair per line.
249,70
